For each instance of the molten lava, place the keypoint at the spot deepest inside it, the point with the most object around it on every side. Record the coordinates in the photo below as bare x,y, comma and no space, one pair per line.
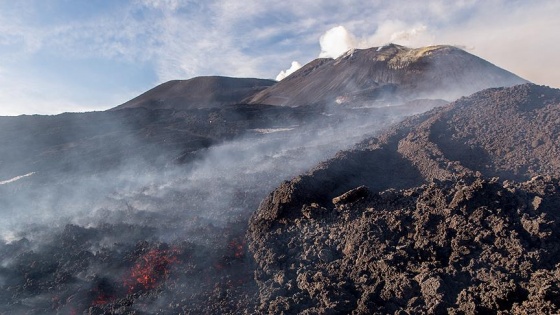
151,269
102,299
237,247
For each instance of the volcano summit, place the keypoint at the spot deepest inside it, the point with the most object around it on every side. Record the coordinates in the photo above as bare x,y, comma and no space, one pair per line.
381,76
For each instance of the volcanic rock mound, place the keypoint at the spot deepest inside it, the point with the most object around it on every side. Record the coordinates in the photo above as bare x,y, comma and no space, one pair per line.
435,230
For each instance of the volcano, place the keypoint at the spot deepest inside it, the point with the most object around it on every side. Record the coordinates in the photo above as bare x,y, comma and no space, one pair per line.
351,186
384,75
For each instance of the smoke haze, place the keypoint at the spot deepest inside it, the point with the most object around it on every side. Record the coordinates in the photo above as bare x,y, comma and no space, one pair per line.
155,211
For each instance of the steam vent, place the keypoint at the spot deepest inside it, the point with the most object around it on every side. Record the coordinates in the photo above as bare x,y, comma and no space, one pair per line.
389,180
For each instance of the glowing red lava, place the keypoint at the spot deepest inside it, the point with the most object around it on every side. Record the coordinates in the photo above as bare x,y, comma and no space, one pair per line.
237,247
102,300
151,269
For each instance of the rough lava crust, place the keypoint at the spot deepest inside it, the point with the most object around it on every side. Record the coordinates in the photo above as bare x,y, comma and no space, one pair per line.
451,211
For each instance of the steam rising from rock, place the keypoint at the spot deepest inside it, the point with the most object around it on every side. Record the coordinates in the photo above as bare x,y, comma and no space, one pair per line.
336,42
408,35
158,235
284,73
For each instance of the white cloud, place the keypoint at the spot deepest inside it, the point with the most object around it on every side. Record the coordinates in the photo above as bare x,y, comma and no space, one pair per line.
522,39
284,73
162,4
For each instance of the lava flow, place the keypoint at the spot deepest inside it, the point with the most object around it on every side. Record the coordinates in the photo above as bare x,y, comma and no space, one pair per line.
151,269
237,247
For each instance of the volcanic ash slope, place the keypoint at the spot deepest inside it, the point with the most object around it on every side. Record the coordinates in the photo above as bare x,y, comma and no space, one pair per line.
386,75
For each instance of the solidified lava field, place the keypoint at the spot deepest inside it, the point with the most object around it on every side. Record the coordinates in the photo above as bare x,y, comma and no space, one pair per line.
447,212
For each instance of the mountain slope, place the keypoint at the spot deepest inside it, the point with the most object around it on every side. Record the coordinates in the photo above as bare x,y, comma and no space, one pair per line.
506,132
416,220
380,75
199,92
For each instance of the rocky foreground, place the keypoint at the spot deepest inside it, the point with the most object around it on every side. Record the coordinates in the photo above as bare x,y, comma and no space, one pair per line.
452,211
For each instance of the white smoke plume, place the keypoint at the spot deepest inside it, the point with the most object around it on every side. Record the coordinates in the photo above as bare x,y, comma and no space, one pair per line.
409,35
284,73
336,42
397,32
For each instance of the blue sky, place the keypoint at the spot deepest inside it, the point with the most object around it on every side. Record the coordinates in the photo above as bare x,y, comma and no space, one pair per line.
82,55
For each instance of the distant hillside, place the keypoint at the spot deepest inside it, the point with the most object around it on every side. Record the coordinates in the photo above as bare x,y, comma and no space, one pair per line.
199,92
